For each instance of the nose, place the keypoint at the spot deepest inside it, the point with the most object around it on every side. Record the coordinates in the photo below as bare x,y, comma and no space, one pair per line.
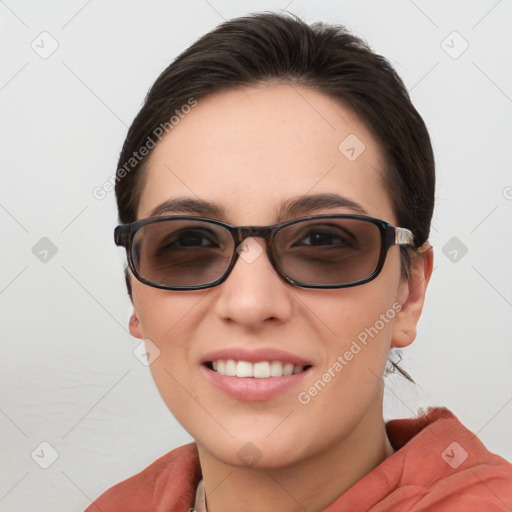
254,293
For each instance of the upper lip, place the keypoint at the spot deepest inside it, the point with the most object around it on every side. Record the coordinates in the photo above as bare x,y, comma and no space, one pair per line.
254,355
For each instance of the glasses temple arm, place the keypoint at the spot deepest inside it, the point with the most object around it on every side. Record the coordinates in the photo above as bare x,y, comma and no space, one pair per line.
403,236
121,234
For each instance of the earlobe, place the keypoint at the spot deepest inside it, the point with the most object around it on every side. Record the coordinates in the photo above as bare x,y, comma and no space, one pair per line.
406,321
134,326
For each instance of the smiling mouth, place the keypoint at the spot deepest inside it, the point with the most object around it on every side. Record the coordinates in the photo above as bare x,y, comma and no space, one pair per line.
258,370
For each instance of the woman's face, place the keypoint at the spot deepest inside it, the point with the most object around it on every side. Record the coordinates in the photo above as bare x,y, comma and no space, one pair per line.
251,152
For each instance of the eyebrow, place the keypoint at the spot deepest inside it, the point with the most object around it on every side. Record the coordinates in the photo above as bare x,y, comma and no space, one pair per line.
305,205
188,205
292,208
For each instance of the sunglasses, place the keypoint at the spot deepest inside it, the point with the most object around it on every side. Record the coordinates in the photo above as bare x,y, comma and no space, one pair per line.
319,251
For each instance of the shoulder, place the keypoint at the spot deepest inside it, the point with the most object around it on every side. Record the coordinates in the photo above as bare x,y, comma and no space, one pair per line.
438,466
168,484
449,465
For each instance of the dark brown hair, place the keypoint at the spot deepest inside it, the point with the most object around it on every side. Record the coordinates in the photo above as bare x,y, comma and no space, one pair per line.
267,47
264,47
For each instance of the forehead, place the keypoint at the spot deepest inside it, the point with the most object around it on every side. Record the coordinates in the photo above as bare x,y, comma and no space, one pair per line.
252,149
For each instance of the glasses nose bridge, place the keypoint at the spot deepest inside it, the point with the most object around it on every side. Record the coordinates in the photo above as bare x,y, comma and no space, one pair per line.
244,232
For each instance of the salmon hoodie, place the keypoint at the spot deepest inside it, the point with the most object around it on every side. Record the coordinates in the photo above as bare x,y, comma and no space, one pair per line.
438,466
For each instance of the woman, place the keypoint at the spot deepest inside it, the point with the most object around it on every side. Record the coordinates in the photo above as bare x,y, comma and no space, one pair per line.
275,193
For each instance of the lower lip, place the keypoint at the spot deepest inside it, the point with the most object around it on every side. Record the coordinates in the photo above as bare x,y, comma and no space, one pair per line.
252,389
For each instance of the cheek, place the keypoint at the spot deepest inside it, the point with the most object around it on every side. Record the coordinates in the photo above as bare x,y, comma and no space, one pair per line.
165,315
358,329
349,380
167,320
360,313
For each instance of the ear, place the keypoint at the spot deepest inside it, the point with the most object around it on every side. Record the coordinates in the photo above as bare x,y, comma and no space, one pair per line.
135,328
412,297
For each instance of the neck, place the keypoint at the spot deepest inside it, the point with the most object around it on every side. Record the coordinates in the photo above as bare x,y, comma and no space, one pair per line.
311,484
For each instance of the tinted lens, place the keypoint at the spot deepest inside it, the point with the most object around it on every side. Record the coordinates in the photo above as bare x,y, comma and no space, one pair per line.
182,252
328,251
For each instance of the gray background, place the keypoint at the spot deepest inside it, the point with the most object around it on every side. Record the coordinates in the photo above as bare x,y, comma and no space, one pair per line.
69,374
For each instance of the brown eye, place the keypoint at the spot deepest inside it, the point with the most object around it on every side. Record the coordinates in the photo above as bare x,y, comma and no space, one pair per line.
189,239
322,239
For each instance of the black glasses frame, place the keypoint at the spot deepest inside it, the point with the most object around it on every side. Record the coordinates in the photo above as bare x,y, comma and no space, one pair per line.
389,236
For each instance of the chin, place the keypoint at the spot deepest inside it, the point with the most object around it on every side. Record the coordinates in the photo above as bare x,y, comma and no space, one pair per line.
256,453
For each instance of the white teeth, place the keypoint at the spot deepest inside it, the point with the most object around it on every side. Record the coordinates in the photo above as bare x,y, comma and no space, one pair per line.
276,369
259,370
244,369
288,369
230,367
262,370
